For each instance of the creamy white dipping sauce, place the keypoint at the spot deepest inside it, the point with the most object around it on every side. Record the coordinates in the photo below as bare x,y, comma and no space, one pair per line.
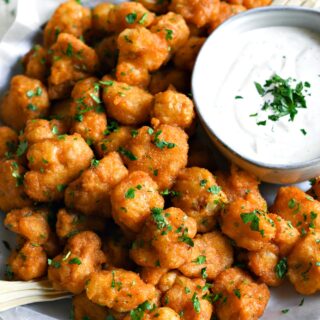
256,56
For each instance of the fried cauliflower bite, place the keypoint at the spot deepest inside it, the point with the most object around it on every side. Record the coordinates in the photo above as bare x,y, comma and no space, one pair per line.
303,264
70,17
198,12
172,28
119,289
173,108
30,262
35,63
264,262
72,60
165,239
212,253
53,164
132,200
127,104
12,192
100,17
115,138
89,120
249,227
186,298
8,142
162,153
81,257
107,51
239,296
249,4
90,193
26,99
31,223
70,223
185,57
292,204
163,79
225,12
286,235
199,196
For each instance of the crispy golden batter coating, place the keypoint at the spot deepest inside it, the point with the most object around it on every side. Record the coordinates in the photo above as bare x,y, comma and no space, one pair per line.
72,60
163,313
186,56
165,240
132,200
31,223
100,16
12,192
303,264
107,51
90,193
239,296
70,17
30,262
292,204
199,196
119,289
249,4
186,298
162,153
70,223
127,104
212,253
81,257
53,164
162,278
26,99
248,226
198,12
264,262
8,142
155,5
35,63
173,108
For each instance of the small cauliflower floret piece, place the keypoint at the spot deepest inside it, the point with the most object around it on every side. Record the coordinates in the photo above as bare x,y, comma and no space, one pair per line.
35,63
38,130
8,142
115,137
186,56
163,79
30,262
292,204
174,108
132,200
12,193
303,264
199,196
172,28
70,17
198,12
162,153
72,60
107,51
239,296
26,99
100,16
249,4
70,223
89,119
90,193
286,235
81,257
53,164
186,298
119,289
31,223
212,253
127,104
264,263
225,12
249,227
165,240
83,308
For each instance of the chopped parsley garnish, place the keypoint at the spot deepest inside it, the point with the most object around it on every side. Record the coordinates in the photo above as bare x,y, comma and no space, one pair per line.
75,261
169,34
204,274
32,107
94,163
203,182
127,39
238,97
127,153
138,313
61,187
172,193
161,144
22,148
200,260
107,83
281,268
113,126
54,264
184,238
131,17
130,194
284,311
291,203
301,302
262,123
69,51
214,189
143,18
196,303
237,293
15,173
304,132
55,130
159,218
134,133
95,97
252,218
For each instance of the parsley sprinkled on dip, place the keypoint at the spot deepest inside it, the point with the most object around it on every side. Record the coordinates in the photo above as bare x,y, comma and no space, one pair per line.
267,104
